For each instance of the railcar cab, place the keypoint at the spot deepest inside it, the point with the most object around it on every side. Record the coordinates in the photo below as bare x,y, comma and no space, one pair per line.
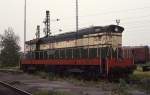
121,64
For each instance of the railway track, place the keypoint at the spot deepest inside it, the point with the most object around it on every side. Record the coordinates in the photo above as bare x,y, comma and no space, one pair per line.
6,89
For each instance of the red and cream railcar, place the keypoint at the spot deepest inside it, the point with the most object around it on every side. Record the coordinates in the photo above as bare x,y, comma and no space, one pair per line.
94,50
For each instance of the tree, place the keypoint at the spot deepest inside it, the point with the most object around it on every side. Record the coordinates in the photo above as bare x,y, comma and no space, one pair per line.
9,46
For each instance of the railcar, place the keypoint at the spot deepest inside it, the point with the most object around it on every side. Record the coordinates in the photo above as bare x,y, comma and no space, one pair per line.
141,54
96,50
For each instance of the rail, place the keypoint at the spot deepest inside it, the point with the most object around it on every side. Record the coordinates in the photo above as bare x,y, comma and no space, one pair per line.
19,91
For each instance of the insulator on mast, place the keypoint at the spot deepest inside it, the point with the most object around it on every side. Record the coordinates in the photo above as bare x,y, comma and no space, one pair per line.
37,32
118,21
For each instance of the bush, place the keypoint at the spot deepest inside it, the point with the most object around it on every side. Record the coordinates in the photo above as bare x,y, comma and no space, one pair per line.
145,84
122,88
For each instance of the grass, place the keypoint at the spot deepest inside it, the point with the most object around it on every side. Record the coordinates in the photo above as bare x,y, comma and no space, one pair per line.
70,78
139,75
122,88
45,75
9,66
143,79
51,93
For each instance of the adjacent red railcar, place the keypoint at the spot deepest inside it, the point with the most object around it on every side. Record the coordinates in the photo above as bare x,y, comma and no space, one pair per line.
141,54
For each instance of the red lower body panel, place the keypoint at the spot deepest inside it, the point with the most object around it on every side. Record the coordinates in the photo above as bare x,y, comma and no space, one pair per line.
94,64
110,63
94,61
120,63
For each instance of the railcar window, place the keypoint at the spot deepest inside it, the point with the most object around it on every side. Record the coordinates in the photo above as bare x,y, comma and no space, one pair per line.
28,55
32,55
114,53
45,55
97,30
104,52
69,53
84,52
99,52
110,53
57,54
37,55
41,55
79,56
76,53
93,52
51,54
120,53
62,53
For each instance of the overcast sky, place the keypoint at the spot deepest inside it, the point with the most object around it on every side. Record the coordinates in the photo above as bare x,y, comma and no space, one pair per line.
134,16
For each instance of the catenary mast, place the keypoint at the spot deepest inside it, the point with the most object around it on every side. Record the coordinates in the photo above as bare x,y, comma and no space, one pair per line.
24,24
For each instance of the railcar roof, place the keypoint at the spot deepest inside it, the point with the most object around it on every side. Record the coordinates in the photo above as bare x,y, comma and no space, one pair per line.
74,34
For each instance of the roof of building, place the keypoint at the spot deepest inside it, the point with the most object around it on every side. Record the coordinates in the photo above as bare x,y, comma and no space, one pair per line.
75,35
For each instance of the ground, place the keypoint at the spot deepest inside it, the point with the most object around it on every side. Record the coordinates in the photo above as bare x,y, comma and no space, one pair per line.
69,86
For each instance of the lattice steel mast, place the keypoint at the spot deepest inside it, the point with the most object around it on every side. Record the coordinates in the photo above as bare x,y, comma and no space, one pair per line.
47,24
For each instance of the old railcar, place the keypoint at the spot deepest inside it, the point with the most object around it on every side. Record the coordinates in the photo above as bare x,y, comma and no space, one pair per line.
95,50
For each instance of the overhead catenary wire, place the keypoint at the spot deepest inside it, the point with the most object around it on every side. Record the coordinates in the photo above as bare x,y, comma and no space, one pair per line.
124,21
106,20
137,28
133,25
109,12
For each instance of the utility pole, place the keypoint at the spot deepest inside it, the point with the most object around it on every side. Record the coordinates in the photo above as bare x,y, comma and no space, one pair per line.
24,33
77,21
24,24
76,41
